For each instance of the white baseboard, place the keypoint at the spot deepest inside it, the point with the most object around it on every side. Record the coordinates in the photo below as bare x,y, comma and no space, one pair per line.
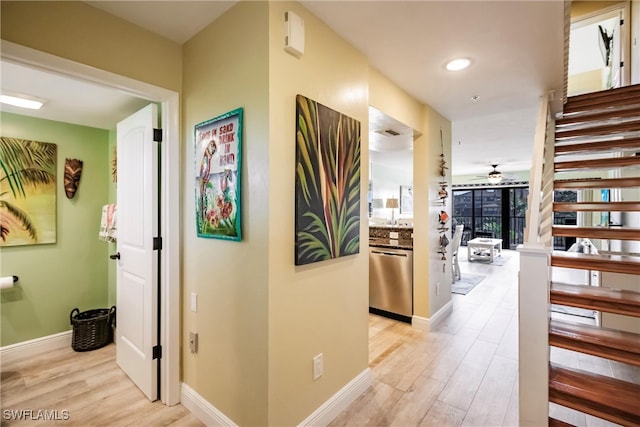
203,410
427,324
339,401
24,350
211,416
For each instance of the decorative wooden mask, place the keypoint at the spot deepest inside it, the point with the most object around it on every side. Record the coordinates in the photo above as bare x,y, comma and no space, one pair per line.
72,172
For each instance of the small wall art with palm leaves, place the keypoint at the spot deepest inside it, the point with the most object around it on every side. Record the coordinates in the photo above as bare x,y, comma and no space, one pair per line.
27,192
327,185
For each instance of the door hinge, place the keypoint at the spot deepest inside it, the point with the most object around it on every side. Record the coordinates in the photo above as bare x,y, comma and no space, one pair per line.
157,352
622,22
157,243
157,135
621,64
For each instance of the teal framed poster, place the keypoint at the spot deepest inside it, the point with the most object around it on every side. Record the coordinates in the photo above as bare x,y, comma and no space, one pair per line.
218,169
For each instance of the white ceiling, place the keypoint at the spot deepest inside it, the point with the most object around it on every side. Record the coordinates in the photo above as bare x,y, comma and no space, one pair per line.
515,48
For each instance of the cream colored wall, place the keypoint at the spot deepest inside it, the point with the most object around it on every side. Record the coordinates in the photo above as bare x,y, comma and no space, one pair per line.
427,266
387,97
321,307
226,67
427,150
79,32
582,8
588,81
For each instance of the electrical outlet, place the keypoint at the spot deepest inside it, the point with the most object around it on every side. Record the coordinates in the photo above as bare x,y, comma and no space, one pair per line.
438,288
318,368
193,342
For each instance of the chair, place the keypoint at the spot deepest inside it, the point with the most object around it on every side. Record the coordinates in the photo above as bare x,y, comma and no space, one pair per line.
455,245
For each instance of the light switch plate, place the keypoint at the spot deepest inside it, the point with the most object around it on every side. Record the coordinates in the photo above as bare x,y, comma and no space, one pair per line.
194,302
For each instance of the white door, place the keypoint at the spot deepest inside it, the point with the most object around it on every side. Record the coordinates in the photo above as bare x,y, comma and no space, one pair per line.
137,224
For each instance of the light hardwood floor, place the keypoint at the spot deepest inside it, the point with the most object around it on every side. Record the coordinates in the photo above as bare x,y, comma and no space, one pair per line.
462,373
80,389
465,372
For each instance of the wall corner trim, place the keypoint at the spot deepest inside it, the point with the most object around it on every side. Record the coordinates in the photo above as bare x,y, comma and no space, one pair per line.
26,349
340,401
203,410
427,325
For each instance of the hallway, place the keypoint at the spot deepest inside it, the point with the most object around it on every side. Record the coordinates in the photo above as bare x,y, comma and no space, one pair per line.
462,373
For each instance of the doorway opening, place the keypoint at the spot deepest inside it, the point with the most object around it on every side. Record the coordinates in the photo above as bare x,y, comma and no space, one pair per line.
598,51
169,207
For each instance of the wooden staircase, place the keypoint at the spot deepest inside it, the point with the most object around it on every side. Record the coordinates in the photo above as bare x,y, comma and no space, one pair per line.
598,135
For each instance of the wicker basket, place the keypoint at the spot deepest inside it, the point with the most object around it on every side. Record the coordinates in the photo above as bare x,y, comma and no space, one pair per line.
92,329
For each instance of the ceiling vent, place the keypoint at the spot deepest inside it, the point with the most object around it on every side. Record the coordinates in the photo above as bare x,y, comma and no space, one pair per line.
388,132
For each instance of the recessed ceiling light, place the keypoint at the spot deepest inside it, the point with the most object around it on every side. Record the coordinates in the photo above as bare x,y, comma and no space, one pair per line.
18,101
458,64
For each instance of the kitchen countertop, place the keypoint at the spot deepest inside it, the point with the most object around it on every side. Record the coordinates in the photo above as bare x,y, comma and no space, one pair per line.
406,244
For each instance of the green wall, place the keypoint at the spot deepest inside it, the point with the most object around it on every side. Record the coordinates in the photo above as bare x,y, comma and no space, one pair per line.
72,272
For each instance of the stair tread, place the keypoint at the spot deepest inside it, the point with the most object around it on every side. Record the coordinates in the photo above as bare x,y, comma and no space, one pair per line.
626,206
599,129
612,233
597,183
553,422
596,115
602,145
604,94
617,97
621,301
599,262
605,397
597,337
606,163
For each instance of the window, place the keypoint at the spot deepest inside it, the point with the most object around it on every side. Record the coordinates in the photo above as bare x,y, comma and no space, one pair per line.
497,212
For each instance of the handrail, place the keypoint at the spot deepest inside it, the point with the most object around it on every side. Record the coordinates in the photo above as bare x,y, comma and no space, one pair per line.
538,229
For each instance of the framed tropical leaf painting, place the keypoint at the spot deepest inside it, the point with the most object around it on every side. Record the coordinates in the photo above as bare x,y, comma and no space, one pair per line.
27,192
327,186
218,170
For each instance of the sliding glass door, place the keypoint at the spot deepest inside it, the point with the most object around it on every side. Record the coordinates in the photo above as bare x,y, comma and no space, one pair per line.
492,212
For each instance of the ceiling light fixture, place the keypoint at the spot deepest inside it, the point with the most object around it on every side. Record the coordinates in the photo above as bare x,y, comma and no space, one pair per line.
19,101
494,177
458,64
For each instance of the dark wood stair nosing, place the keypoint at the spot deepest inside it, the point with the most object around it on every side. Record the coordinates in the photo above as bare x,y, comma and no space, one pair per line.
598,395
610,300
598,146
605,92
612,344
626,206
609,233
597,183
553,422
600,129
606,163
577,108
598,115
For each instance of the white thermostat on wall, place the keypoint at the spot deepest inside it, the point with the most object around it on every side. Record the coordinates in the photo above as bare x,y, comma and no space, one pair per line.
294,33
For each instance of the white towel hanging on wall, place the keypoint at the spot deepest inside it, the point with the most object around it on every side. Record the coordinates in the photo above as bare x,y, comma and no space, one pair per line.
108,223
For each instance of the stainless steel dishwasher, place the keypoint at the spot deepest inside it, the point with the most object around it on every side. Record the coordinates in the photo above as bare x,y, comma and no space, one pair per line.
391,281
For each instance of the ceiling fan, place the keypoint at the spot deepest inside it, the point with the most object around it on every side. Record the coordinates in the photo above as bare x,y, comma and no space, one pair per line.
496,177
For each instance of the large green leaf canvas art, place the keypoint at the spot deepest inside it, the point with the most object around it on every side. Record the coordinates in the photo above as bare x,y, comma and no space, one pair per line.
27,192
327,191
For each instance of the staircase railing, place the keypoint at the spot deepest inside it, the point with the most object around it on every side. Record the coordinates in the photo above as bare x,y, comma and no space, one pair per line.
534,276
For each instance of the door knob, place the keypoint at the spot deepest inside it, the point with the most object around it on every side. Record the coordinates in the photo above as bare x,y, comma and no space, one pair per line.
116,256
